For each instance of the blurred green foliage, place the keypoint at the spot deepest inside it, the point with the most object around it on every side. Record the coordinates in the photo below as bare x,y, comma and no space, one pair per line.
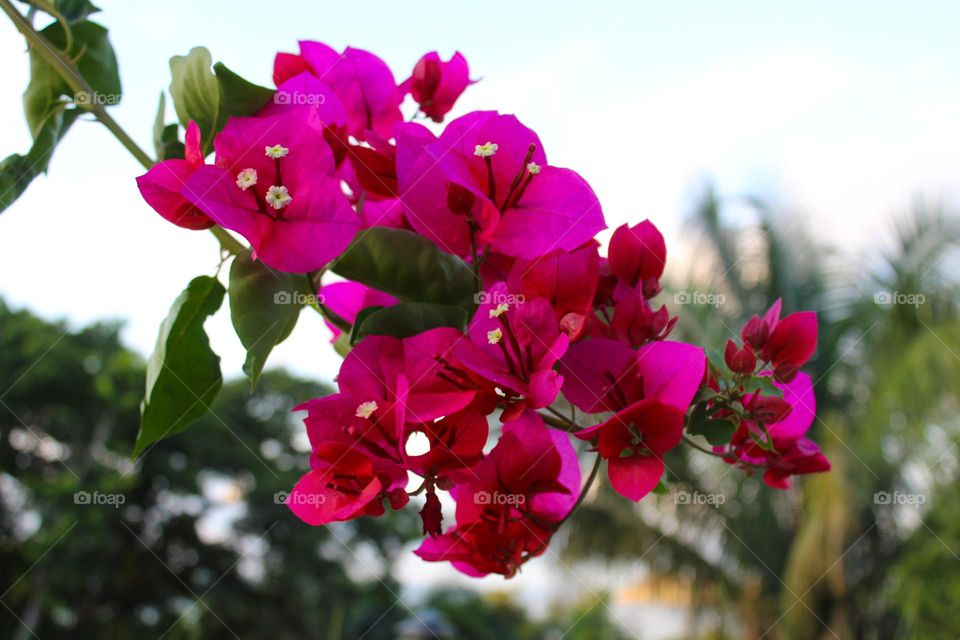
199,546
828,558
190,541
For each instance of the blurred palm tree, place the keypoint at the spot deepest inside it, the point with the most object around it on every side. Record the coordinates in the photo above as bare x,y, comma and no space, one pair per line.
824,559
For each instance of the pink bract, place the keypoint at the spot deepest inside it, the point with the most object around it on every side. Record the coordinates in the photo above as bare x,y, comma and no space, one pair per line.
314,227
363,83
451,192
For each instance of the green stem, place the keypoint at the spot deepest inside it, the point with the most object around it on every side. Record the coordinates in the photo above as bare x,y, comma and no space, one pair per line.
576,505
72,77
558,421
693,443
696,445
227,242
583,493
335,320
66,70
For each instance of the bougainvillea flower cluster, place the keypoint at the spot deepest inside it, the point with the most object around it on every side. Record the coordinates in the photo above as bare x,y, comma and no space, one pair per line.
480,419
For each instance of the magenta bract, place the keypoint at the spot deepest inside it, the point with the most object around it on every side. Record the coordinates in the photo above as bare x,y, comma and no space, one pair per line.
561,344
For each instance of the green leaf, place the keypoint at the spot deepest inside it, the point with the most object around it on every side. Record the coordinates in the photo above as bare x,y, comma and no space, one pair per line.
715,360
17,171
238,97
342,345
662,489
717,432
264,307
763,441
764,384
210,97
74,11
95,60
172,148
158,125
70,10
358,321
166,138
408,266
183,373
697,417
704,394
194,89
407,319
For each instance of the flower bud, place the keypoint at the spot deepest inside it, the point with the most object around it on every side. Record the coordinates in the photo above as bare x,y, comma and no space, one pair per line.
637,253
432,514
436,85
741,360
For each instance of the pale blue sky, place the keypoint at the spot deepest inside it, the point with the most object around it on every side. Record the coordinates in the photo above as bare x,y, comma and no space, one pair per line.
842,110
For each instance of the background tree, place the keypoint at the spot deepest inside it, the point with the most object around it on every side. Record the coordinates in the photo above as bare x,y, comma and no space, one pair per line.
827,557
199,547
193,542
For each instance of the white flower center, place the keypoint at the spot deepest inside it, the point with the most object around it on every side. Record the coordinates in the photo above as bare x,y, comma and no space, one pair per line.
247,178
533,168
276,151
366,409
278,197
500,309
495,336
485,150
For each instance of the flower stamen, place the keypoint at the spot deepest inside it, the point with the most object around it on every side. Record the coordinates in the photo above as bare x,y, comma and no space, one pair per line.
366,409
499,310
276,151
247,178
278,197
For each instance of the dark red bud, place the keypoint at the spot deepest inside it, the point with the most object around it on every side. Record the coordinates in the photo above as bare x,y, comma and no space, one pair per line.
741,360
426,79
651,288
460,200
767,410
376,170
432,514
398,498
335,135
755,333
785,372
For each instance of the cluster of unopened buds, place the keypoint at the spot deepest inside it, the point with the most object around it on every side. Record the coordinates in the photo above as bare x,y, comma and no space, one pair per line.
564,346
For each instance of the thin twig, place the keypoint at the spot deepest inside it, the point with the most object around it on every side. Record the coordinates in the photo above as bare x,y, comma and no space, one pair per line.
66,70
